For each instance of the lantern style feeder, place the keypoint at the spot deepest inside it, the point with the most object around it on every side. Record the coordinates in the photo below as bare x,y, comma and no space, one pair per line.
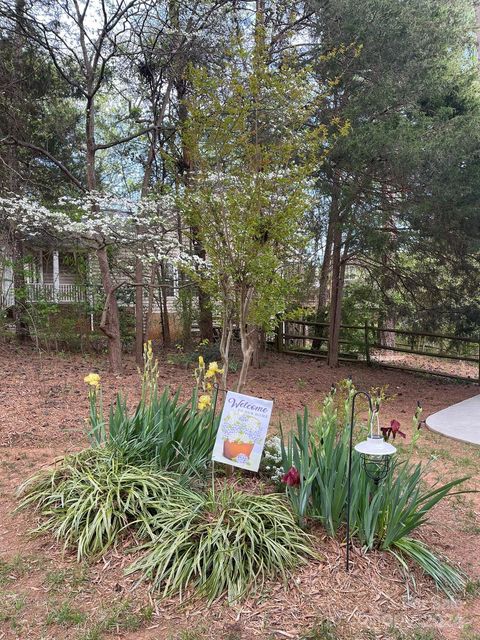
376,455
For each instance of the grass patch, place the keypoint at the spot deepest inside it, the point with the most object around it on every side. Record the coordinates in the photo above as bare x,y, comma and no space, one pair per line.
415,634
325,630
469,633
122,617
66,615
472,588
471,524
13,569
56,579
11,605
71,578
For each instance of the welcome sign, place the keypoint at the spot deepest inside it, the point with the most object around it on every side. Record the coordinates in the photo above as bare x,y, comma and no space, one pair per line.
242,431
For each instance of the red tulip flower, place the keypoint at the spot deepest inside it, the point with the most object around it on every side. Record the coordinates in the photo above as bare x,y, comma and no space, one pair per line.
291,478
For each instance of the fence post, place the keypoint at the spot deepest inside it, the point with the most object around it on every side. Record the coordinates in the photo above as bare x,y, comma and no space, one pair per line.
367,344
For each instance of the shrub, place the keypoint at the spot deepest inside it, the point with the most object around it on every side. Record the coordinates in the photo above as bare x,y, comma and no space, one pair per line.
381,516
220,542
89,498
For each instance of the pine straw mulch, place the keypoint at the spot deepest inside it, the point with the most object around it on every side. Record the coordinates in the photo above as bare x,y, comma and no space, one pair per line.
42,411
373,596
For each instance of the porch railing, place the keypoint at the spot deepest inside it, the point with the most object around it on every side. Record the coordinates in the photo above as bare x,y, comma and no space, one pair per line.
38,292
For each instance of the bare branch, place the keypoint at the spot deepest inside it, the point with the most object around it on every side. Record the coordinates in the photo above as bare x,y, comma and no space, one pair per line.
11,141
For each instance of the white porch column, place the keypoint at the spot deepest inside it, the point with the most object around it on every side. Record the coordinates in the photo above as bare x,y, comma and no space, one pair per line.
7,297
175,282
40,268
56,276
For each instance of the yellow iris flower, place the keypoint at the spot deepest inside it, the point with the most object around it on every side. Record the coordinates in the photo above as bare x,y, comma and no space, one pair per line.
93,379
204,402
213,369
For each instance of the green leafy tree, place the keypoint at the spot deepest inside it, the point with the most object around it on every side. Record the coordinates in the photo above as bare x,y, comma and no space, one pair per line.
405,83
253,158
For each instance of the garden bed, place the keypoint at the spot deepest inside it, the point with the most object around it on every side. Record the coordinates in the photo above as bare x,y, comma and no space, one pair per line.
44,421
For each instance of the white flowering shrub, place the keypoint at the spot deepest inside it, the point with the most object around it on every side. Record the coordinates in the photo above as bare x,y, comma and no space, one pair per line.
271,464
145,227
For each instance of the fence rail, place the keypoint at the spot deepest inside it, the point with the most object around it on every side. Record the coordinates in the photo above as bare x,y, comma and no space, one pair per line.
362,343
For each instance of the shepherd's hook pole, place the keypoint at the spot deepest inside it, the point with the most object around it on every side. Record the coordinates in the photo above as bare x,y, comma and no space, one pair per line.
349,481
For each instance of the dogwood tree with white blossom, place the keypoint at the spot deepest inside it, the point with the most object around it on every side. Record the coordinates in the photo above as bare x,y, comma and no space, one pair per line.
143,228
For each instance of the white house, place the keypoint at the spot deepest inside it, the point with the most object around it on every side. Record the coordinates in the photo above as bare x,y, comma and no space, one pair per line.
66,276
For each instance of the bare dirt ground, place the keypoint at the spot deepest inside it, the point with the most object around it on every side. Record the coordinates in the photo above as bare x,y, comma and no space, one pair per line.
46,595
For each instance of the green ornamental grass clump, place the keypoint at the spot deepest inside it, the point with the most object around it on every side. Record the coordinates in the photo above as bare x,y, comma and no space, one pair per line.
88,499
220,542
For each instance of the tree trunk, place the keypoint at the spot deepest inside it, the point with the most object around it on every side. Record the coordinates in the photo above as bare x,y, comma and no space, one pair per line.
139,324
147,176
259,347
337,285
225,342
477,31
205,318
22,331
110,324
185,167
151,300
20,315
247,335
247,351
323,290
387,317
164,309
387,338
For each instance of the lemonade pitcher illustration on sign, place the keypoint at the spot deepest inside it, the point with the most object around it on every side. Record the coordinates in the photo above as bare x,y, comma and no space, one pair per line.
242,431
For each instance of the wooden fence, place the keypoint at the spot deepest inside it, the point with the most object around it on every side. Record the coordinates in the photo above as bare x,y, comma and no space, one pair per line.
362,343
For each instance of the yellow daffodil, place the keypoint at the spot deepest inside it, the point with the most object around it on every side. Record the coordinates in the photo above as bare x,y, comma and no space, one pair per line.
93,379
201,362
213,369
204,402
